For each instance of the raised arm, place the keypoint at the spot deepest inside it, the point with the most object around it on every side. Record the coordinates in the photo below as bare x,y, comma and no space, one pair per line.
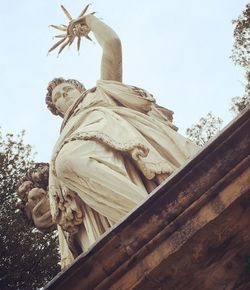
111,65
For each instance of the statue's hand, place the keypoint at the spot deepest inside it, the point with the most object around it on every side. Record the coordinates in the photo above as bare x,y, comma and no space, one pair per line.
78,27
41,216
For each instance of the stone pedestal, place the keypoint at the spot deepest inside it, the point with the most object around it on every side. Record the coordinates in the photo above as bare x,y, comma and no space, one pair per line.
193,232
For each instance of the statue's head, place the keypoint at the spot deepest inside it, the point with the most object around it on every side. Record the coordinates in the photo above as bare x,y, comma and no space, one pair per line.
61,94
39,174
32,190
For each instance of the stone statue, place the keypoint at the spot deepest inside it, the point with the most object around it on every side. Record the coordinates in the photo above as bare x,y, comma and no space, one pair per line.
32,190
116,144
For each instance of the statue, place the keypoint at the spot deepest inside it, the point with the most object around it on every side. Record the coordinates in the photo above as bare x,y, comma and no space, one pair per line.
32,190
115,146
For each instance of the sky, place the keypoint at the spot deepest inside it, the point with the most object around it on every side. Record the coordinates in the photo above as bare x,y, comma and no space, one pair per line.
177,50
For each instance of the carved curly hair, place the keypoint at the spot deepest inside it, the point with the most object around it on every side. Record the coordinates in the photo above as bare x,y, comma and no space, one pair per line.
43,179
26,183
55,82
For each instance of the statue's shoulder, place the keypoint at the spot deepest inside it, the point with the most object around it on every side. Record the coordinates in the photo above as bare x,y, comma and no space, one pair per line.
116,87
142,93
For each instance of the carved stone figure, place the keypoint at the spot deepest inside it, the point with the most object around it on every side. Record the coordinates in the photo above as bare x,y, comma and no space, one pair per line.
116,144
34,196
33,191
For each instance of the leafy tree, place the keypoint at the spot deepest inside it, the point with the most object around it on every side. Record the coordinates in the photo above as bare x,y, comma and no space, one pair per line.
206,128
29,258
241,56
209,126
241,102
241,47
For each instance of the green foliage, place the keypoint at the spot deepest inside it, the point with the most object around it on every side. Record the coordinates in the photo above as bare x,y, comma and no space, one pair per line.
29,258
240,103
206,128
241,47
241,56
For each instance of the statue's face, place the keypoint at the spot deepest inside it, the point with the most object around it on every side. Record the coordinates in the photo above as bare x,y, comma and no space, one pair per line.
38,173
63,96
35,195
25,187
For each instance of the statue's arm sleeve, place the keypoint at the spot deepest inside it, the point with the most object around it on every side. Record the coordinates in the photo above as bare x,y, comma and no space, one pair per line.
111,66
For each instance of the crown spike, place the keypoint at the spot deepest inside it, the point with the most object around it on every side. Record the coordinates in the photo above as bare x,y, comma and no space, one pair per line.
84,10
66,13
58,27
57,44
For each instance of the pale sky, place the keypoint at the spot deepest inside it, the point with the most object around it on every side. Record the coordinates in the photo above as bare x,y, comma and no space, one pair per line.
177,50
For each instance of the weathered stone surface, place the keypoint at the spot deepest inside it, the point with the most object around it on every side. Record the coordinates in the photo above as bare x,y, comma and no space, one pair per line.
192,232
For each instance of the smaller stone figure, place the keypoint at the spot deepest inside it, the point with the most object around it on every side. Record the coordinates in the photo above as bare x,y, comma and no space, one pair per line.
34,196
33,191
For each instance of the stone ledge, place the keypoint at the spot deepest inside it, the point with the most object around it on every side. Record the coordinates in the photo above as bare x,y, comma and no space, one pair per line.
189,234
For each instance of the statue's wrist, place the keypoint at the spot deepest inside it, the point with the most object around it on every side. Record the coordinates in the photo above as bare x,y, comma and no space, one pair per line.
89,20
